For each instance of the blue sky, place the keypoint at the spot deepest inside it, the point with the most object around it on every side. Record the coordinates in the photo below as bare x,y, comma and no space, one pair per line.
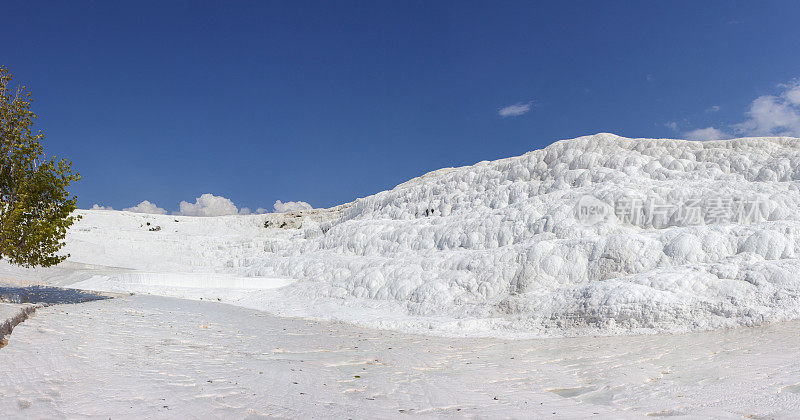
328,101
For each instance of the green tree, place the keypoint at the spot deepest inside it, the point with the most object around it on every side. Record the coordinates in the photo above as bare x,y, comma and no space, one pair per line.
35,207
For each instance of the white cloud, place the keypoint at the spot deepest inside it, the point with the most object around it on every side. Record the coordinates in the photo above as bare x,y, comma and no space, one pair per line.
713,108
515,110
708,133
262,210
672,125
771,115
290,206
208,205
768,115
792,92
146,207
211,205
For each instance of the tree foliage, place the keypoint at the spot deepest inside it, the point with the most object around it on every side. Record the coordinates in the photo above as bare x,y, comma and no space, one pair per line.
35,206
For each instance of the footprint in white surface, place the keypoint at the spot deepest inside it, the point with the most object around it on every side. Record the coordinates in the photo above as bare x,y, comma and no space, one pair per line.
571,392
667,413
794,389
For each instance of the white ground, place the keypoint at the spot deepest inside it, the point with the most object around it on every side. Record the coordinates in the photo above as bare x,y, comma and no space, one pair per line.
496,249
490,256
148,356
